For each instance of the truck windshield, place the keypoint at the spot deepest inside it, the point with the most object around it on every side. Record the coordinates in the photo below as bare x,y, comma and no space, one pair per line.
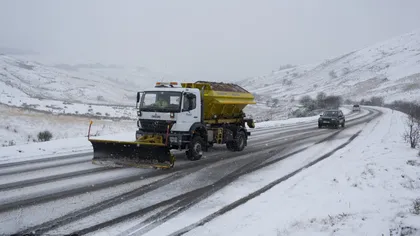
161,101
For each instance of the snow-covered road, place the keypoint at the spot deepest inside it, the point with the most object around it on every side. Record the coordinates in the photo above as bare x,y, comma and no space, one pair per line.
66,195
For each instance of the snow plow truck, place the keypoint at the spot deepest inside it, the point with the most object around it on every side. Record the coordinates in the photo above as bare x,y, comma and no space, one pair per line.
180,116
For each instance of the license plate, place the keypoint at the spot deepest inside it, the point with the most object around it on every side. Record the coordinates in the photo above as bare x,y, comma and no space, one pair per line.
326,121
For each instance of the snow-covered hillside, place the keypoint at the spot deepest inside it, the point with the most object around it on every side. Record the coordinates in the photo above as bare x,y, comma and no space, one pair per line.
39,97
83,90
390,69
94,85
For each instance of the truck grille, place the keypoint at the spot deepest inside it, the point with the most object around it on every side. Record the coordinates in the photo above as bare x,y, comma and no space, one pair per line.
155,126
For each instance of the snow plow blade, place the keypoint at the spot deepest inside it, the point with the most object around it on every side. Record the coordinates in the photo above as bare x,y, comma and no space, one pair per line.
140,154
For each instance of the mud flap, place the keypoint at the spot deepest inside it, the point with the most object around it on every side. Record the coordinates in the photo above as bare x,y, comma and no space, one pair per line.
112,153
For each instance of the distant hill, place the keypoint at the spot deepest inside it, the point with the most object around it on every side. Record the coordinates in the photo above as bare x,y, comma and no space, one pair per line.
390,69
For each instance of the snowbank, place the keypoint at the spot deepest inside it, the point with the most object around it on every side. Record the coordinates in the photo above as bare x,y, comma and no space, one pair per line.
61,147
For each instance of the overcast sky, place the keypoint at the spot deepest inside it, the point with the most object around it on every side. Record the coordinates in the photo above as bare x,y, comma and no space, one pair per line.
213,39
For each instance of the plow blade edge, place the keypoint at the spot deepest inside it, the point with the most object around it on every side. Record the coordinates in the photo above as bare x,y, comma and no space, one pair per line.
131,154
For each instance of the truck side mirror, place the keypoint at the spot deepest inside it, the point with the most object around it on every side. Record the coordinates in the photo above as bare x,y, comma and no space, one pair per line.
138,99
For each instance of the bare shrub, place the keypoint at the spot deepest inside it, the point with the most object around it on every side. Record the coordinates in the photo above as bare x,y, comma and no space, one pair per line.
416,207
287,82
345,71
412,132
24,65
409,108
377,101
44,136
306,101
320,99
333,101
333,74
275,102
287,66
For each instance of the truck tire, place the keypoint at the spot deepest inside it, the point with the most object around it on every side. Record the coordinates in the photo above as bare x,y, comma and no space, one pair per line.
343,124
239,143
195,148
230,146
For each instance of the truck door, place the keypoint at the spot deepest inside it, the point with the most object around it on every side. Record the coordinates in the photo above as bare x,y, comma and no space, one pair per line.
190,112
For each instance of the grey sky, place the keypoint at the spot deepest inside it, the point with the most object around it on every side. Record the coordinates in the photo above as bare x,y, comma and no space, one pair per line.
215,40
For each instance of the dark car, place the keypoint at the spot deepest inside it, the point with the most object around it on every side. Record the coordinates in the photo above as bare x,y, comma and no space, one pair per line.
332,118
356,107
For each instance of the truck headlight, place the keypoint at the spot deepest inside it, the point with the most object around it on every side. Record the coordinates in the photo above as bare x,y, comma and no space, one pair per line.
173,139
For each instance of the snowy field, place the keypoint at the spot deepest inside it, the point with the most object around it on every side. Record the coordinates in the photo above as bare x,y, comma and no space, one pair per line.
20,126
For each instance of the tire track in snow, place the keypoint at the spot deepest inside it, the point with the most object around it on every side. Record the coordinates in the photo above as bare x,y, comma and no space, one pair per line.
48,159
51,178
123,197
182,202
42,167
260,191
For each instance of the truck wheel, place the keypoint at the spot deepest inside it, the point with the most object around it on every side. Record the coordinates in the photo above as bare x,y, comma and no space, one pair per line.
230,146
239,143
343,124
195,148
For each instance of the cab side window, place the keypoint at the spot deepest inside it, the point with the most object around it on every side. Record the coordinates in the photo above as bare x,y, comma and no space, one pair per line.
190,103
186,103
193,103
